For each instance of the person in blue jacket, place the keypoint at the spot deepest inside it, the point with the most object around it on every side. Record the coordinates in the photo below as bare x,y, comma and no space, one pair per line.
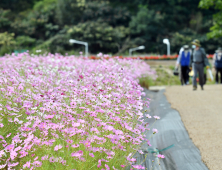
217,61
184,60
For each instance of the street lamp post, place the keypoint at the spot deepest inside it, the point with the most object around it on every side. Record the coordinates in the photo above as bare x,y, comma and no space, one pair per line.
167,42
134,49
82,43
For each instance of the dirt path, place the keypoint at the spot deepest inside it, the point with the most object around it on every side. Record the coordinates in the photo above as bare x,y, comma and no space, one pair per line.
201,113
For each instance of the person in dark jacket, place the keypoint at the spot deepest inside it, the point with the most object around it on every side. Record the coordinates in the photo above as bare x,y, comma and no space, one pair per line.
197,62
217,62
184,60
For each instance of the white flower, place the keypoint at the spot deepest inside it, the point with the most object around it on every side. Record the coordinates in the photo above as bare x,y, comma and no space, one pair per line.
156,117
148,116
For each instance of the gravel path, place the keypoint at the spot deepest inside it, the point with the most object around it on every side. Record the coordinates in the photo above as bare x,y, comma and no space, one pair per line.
201,113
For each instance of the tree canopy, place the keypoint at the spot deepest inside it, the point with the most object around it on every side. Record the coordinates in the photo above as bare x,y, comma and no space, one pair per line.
216,29
109,26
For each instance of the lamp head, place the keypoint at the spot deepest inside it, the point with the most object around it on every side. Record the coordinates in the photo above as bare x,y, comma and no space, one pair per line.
166,41
141,47
72,41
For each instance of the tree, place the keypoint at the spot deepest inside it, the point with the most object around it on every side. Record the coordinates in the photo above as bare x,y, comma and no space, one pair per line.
6,42
100,36
216,29
145,27
69,12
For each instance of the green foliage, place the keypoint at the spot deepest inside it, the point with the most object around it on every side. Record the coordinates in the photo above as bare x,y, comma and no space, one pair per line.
69,11
6,42
163,79
7,39
25,41
4,20
111,26
216,29
146,26
100,36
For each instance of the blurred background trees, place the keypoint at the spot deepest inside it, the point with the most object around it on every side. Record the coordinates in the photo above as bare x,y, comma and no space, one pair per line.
109,26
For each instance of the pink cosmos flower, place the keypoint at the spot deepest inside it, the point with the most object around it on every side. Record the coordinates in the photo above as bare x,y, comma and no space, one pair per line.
140,151
13,164
52,159
148,116
37,164
77,154
75,145
27,165
45,157
160,156
23,153
8,135
138,166
13,154
2,166
156,117
69,141
49,116
99,163
155,131
57,147
107,167
10,147
76,124
1,125
91,154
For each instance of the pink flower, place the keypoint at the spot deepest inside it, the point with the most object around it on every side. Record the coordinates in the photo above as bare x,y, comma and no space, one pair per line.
156,117
13,154
138,166
76,124
2,166
91,154
107,167
69,141
131,159
160,156
148,116
37,164
122,166
45,157
52,159
27,164
13,164
10,147
49,116
77,154
140,151
23,154
114,168
99,163
87,144
75,145
57,147
1,125
155,131
8,135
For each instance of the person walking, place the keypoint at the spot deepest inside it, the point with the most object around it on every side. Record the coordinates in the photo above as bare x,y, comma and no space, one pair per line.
184,60
217,62
197,62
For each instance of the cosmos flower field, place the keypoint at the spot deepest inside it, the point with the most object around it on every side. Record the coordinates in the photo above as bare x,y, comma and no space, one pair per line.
66,112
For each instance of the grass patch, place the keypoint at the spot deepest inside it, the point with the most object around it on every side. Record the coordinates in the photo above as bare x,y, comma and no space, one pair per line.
163,79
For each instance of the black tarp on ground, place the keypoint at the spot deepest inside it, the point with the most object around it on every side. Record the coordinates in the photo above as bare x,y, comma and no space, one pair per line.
184,155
